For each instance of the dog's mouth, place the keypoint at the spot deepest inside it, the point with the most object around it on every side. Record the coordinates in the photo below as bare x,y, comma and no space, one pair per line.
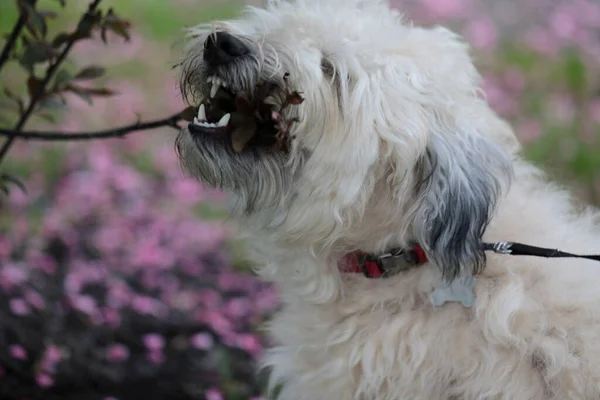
245,120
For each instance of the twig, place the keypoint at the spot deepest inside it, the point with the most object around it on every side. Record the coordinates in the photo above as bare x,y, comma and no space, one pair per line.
49,74
14,35
104,134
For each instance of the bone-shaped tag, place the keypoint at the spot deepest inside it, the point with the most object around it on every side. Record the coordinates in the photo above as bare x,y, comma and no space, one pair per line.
460,289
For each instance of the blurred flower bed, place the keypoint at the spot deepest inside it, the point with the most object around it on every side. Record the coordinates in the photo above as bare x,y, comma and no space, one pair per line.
118,275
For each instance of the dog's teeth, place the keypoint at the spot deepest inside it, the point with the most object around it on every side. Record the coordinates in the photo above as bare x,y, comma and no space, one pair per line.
215,87
224,120
202,113
223,83
196,122
209,80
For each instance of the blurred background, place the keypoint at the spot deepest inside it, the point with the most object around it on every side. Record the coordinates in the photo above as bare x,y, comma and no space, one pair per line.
120,278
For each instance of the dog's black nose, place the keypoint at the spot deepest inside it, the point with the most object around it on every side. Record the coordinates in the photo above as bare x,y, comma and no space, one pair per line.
223,48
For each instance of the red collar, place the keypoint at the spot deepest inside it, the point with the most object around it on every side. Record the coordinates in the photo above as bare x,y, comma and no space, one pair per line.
373,266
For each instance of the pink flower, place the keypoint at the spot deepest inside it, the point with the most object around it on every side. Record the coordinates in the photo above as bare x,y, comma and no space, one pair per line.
249,342
156,356
238,308
51,358
529,131
213,394
85,304
482,34
594,110
111,316
12,275
445,9
19,307
17,351
154,341
44,380
117,352
145,305
218,322
563,24
202,341
35,299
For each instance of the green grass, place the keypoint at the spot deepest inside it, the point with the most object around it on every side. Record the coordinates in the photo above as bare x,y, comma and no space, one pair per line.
160,20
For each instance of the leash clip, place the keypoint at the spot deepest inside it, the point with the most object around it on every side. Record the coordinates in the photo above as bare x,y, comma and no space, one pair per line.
502,247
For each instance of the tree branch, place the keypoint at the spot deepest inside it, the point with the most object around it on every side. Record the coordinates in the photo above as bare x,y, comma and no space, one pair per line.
103,134
14,35
49,74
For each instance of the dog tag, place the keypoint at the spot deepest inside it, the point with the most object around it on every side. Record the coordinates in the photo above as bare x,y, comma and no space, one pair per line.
460,289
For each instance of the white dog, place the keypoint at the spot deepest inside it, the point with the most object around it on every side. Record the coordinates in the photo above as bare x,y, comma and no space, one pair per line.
393,147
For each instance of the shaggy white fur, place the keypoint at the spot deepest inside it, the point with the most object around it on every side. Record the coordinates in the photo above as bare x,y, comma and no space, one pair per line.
395,143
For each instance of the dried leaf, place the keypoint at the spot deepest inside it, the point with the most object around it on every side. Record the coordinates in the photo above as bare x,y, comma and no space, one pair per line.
188,114
243,104
34,87
87,93
295,98
87,25
242,135
101,92
116,24
91,72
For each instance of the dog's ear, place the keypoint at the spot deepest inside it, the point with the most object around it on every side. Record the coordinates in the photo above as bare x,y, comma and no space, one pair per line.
460,179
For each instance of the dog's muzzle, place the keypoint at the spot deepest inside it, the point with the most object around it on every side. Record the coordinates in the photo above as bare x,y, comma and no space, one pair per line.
223,48
239,108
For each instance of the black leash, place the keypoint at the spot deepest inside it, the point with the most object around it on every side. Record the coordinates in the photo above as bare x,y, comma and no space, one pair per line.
519,249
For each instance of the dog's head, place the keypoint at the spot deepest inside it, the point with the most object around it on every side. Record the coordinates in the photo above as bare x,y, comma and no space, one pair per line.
392,142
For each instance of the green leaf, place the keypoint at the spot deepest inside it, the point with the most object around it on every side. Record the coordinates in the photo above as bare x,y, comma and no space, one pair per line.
35,53
91,72
52,103
48,117
35,21
17,100
48,14
6,179
7,105
575,73
62,78
60,39
84,96
522,58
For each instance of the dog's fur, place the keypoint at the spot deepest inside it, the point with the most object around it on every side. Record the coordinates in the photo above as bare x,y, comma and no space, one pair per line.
395,143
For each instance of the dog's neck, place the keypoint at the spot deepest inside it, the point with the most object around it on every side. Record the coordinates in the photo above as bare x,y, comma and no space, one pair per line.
384,264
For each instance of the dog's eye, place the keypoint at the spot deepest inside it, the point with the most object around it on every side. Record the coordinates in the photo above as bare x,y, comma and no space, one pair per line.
332,76
327,68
